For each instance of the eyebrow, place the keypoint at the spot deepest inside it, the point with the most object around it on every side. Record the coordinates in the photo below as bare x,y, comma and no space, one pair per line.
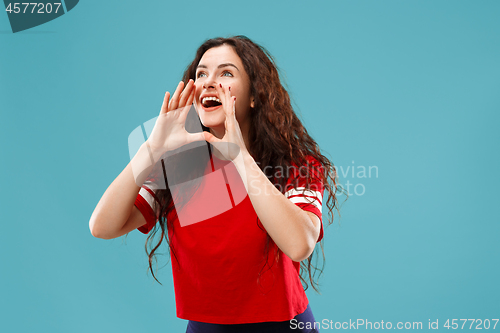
220,66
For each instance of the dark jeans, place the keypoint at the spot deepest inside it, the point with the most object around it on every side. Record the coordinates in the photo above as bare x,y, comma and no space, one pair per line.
267,327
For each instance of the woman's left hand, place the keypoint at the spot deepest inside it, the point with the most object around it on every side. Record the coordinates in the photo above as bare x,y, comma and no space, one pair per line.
232,143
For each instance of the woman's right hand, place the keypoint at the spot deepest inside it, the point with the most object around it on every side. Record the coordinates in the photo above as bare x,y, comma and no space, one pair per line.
169,132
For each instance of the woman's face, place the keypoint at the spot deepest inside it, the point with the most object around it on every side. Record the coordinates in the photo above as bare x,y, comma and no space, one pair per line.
221,65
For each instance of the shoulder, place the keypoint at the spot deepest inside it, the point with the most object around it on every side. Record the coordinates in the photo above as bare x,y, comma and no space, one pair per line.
308,161
305,174
309,166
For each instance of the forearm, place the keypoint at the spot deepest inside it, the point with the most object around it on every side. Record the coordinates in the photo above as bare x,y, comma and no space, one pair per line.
289,226
115,206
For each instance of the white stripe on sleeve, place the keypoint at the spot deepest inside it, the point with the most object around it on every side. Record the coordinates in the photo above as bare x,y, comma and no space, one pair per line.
147,196
298,195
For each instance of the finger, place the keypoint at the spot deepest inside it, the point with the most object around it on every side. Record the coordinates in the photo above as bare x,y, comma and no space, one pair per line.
164,106
187,107
231,123
233,103
209,137
191,96
231,113
230,97
226,104
186,93
222,95
229,101
197,137
174,102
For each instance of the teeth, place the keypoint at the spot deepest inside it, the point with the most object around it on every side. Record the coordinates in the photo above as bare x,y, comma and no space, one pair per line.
210,99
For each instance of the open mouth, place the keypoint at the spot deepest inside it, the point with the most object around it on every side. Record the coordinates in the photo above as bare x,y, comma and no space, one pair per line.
211,103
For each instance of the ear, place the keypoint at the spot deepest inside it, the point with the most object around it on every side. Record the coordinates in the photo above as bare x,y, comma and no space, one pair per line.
252,103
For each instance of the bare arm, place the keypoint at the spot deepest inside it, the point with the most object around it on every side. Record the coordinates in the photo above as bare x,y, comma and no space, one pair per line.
293,229
115,214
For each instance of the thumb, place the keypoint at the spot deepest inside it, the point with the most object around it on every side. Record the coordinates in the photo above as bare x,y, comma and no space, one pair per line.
197,137
209,137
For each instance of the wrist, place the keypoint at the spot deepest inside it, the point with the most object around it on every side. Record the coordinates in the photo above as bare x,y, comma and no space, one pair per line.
147,148
142,164
244,163
154,153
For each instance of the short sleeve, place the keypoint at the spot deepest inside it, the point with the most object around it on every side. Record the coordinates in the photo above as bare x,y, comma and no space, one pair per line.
305,189
145,203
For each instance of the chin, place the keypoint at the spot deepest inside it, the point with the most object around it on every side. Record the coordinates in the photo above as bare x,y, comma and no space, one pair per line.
212,119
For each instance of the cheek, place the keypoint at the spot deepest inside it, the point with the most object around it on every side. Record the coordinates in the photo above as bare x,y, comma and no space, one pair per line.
242,108
197,92
236,91
242,96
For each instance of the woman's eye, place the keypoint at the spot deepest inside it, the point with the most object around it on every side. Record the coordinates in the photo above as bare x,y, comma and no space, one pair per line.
226,73
200,74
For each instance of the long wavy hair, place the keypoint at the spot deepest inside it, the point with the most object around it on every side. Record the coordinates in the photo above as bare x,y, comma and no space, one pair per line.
277,140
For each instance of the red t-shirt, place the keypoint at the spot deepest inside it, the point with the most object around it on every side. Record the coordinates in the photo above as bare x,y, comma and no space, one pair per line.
220,275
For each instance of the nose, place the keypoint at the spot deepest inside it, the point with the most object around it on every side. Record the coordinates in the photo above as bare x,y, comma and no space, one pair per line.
209,82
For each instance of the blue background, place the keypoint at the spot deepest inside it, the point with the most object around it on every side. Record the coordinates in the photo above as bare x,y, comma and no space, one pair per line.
411,87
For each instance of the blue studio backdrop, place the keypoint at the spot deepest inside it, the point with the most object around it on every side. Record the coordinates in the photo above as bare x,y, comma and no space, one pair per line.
403,96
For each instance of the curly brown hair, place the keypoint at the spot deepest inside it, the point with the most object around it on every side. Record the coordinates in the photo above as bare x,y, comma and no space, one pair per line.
277,139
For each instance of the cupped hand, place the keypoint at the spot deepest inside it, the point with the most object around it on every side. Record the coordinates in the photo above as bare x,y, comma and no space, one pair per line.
169,132
232,143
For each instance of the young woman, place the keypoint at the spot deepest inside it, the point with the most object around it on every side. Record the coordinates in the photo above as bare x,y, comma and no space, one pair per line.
240,207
